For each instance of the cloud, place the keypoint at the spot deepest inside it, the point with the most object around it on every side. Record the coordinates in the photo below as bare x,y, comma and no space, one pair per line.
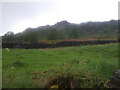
19,15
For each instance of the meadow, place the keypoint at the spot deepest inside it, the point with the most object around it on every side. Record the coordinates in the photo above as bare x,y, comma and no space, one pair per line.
91,65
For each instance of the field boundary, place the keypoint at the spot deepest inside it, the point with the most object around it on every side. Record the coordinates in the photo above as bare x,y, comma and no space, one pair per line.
59,44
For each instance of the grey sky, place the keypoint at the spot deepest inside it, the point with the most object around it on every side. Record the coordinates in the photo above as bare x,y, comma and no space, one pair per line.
17,16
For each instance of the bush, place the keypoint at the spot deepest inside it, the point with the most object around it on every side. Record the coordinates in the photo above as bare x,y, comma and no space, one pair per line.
70,77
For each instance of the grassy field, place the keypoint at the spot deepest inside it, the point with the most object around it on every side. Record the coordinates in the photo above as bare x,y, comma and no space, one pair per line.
33,68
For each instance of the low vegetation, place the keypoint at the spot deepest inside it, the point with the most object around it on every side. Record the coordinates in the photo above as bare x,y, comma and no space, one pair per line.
88,66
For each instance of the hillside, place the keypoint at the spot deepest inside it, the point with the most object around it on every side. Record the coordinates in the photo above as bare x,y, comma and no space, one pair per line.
65,31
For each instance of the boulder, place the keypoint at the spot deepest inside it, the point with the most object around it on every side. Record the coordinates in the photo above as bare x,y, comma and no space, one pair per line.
115,81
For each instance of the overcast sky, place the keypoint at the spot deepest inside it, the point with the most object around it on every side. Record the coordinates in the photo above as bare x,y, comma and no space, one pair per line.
17,16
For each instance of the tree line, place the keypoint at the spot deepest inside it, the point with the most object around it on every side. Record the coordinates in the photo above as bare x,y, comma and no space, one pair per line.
73,31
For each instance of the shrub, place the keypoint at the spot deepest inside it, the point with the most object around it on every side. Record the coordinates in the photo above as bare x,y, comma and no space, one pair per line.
70,77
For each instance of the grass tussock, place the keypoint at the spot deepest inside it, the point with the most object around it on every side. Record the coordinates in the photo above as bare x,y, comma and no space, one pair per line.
69,76
18,64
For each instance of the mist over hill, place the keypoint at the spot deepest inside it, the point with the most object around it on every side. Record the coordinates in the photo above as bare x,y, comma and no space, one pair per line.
64,31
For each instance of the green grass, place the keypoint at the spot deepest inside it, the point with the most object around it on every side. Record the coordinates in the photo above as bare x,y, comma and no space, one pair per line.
98,59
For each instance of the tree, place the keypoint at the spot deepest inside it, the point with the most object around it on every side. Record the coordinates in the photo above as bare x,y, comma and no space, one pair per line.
8,37
75,33
31,36
19,38
52,34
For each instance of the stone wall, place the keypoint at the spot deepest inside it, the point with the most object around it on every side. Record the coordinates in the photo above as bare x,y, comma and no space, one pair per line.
59,44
